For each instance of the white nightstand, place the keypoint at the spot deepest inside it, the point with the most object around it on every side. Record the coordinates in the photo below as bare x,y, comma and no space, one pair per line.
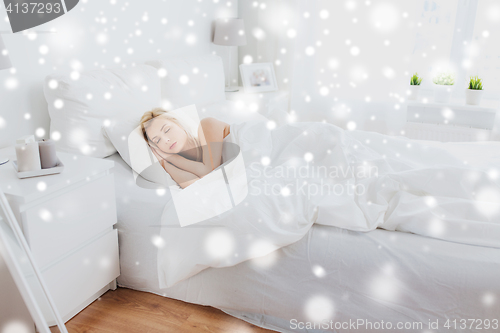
68,220
272,105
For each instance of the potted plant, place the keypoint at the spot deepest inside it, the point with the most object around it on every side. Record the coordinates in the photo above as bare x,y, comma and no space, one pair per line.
474,92
414,87
443,87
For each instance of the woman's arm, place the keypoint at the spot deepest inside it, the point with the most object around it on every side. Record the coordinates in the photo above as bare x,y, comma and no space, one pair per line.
211,135
181,177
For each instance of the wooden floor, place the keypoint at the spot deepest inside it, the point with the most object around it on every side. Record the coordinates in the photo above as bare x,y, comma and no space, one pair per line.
126,310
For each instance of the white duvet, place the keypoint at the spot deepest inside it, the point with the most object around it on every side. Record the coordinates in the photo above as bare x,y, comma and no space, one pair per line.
305,173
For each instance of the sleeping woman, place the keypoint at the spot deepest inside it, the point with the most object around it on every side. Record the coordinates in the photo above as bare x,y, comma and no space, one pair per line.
186,156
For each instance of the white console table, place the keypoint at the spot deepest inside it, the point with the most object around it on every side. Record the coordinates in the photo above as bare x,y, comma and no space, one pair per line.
453,121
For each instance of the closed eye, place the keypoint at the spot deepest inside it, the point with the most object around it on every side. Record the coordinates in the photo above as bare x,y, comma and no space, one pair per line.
165,133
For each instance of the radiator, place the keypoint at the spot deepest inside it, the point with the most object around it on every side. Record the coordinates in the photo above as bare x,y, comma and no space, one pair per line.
445,133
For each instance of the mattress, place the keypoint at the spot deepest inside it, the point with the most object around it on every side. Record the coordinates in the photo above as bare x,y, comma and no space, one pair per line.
355,279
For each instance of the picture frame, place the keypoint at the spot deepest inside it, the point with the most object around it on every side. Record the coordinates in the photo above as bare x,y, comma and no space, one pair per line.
258,77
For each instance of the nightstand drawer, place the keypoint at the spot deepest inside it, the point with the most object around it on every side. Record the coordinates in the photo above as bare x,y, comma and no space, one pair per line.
74,279
63,223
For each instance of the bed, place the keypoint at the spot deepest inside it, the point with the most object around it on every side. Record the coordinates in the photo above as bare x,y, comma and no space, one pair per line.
377,276
357,280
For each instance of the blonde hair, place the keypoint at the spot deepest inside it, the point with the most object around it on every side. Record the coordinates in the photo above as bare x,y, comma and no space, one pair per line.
148,116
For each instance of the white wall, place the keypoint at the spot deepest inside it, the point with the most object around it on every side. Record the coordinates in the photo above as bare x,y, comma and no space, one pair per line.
268,25
313,45
94,35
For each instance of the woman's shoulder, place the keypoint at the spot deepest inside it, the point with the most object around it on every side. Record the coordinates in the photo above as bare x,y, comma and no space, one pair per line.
214,127
211,121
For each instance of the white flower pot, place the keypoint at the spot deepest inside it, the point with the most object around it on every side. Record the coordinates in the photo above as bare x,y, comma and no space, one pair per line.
473,97
442,93
414,91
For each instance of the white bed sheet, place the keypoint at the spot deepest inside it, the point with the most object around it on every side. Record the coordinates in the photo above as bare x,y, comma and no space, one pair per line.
375,276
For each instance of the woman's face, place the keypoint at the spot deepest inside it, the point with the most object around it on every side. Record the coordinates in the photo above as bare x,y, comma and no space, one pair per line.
166,135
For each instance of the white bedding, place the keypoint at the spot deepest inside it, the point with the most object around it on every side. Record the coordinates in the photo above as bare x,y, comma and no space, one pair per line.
358,181
375,276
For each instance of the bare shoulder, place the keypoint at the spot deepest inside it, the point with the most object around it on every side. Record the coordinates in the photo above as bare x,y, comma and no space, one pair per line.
213,129
212,122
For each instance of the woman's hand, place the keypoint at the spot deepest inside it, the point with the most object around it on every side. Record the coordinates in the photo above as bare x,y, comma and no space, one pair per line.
181,177
160,155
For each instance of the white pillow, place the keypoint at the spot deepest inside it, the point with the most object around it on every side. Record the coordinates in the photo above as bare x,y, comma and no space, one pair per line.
190,80
79,108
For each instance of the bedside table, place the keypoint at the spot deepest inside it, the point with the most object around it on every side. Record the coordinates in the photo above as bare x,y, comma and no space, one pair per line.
67,220
273,104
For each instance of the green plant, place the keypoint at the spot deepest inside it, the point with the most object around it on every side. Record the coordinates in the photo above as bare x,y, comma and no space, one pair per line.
444,78
475,83
415,80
